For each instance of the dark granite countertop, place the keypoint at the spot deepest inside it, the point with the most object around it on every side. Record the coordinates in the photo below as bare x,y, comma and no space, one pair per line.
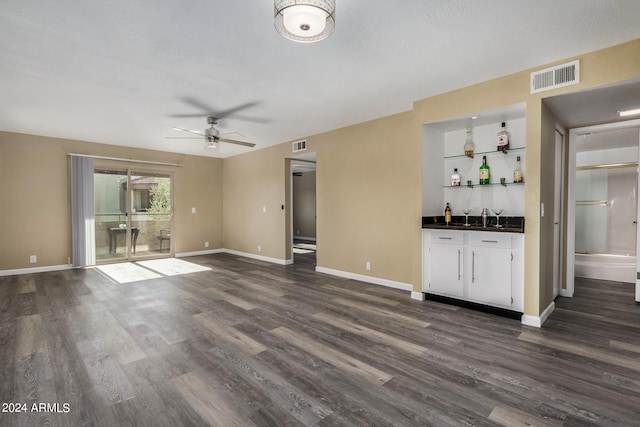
510,224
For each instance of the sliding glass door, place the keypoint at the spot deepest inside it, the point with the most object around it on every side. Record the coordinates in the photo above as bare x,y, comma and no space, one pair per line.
151,197
110,210
133,212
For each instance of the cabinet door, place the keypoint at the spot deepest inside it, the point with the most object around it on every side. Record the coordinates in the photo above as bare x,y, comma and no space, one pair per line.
490,276
445,273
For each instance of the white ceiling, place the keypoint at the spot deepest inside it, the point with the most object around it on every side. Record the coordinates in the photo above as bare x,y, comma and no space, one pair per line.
118,72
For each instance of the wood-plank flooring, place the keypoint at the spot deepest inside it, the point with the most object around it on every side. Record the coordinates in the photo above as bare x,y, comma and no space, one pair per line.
249,343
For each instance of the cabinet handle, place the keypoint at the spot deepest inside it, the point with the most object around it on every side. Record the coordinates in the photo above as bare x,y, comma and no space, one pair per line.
444,238
458,264
473,266
489,241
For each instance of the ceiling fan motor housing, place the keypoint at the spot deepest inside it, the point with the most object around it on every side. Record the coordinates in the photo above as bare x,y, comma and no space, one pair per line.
211,133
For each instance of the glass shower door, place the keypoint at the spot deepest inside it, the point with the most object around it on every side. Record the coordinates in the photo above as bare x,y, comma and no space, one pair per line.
606,210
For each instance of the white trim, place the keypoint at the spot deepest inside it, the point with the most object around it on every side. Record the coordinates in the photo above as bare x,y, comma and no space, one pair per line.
259,257
31,270
125,160
538,321
367,279
418,296
566,293
198,253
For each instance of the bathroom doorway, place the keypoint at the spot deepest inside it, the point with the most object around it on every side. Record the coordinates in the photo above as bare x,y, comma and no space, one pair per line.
603,187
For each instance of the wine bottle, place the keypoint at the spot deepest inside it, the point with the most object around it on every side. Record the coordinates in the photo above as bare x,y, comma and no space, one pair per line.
469,146
503,138
517,172
455,178
485,171
447,214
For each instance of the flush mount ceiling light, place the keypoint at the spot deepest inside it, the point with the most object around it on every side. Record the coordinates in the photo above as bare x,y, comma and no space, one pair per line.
305,21
629,112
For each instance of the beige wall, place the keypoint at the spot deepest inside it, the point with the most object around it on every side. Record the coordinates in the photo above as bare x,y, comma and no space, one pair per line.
368,185
369,179
366,200
367,203
36,203
304,205
253,196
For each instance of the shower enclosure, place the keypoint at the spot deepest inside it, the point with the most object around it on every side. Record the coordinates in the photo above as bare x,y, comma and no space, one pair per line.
605,222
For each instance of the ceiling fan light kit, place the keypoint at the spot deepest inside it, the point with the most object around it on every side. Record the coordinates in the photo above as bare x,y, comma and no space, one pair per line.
304,21
213,137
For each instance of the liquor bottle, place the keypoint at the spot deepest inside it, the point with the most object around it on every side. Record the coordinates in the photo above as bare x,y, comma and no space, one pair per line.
469,146
447,214
517,172
485,171
455,178
503,138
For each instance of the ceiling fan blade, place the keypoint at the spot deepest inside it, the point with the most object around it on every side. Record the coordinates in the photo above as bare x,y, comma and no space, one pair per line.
231,135
234,141
230,111
190,131
212,112
182,137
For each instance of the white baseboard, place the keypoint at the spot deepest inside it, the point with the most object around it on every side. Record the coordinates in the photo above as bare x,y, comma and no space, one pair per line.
538,321
367,279
258,257
419,296
566,293
31,270
198,253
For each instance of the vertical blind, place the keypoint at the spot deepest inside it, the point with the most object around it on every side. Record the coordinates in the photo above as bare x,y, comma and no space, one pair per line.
82,215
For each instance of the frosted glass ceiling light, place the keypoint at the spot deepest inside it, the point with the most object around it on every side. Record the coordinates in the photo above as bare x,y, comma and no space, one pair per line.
304,21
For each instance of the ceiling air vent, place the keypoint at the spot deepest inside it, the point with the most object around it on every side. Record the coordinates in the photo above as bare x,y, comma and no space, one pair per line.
300,146
554,77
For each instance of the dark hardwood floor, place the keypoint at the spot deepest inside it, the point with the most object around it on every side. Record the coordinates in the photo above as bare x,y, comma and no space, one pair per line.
249,343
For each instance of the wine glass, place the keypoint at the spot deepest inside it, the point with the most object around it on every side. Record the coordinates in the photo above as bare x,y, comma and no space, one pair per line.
466,212
497,211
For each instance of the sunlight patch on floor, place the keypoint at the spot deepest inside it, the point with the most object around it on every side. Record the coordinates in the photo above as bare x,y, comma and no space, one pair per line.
172,266
304,248
127,272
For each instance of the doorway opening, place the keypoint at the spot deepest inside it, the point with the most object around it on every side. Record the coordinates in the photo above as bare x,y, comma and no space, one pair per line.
603,188
133,214
303,210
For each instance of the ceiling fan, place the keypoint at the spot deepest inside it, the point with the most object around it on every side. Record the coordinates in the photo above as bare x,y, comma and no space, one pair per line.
213,136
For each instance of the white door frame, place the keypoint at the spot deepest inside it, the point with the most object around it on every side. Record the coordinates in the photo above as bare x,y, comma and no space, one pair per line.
558,210
571,202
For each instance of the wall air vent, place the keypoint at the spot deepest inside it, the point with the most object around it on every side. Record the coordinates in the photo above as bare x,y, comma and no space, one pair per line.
555,77
300,146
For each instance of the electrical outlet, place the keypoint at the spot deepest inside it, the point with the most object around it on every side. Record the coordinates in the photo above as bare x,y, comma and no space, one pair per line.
206,244
33,259
193,210
368,265
259,248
